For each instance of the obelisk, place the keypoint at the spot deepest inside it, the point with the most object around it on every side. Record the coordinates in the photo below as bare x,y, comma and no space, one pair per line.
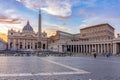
39,30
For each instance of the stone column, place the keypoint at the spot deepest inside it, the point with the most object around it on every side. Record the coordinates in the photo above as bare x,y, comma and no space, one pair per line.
78,48
111,47
84,48
81,48
114,48
89,48
30,43
14,44
23,44
95,48
33,44
92,48
101,48
70,48
104,49
9,43
73,48
98,49
26,44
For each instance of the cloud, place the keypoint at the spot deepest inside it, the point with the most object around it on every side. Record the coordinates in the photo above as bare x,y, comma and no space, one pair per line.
61,17
6,19
62,8
52,28
9,11
3,37
114,21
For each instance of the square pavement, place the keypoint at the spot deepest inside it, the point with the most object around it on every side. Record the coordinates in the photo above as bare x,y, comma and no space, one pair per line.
59,68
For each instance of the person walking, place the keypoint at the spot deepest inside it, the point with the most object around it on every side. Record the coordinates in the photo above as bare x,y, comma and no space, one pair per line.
94,55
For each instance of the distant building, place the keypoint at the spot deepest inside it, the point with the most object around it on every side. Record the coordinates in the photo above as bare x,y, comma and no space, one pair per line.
28,39
99,38
97,32
3,45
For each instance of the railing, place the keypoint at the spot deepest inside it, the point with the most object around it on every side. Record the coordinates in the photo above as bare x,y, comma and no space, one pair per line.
33,53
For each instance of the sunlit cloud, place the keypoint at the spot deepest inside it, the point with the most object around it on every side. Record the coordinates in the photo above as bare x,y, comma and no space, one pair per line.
52,28
61,17
3,37
5,19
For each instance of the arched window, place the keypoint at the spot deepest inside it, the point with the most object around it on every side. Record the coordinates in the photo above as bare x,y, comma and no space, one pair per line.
43,46
35,45
20,45
11,44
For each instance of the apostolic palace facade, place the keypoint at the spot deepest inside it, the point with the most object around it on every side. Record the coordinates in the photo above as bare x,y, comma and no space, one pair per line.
98,38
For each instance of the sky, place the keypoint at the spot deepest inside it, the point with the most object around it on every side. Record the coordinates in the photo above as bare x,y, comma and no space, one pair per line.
65,15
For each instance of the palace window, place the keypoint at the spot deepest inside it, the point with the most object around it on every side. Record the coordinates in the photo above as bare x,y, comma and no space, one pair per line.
43,46
28,46
20,45
35,45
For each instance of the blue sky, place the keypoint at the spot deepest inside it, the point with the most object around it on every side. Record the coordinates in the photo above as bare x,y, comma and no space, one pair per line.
64,15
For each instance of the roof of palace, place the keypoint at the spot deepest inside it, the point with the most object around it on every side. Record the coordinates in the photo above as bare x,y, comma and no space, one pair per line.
99,25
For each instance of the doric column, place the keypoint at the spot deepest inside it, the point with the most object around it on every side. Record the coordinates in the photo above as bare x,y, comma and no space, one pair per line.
95,48
108,47
72,48
101,48
84,48
78,48
114,48
81,48
92,48
98,49
89,48
111,47
104,49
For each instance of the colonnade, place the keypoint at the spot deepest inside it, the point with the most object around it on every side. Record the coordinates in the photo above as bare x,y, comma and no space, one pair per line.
89,48
22,44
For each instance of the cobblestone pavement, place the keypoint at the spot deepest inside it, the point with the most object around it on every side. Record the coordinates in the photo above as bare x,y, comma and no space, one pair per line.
59,68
